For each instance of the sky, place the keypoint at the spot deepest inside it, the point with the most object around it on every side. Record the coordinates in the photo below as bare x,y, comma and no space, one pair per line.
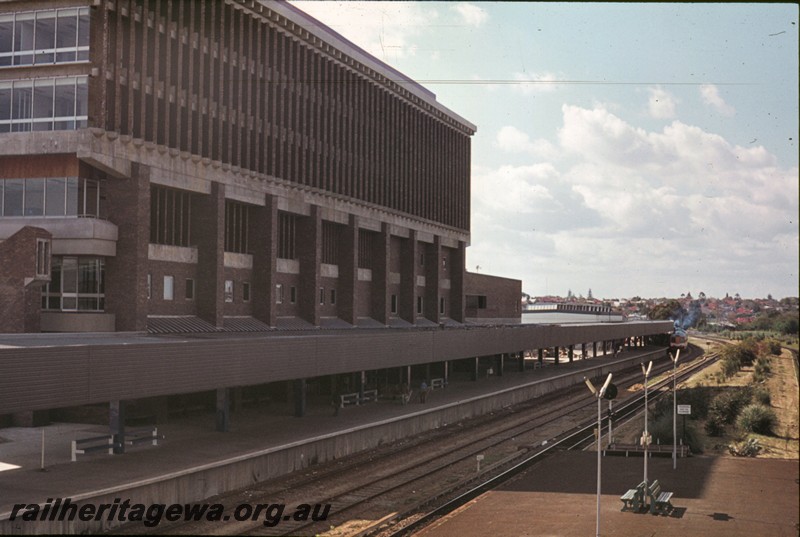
628,149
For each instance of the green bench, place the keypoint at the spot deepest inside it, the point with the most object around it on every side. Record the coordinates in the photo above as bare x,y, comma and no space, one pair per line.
634,498
660,501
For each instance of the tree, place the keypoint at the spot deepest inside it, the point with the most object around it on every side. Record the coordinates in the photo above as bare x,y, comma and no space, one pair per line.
670,309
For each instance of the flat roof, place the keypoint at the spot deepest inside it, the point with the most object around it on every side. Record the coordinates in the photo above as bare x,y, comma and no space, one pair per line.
334,38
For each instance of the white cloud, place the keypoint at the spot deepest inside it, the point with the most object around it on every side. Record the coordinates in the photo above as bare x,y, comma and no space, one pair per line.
530,83
711,96
661,104
647,208
471,14
512,140
387,30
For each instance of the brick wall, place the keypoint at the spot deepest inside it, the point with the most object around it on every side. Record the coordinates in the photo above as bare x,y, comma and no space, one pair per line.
126,274
502,296
20,289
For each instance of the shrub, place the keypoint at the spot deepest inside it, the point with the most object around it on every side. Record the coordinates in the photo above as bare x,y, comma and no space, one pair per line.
762,396
762,370
748,448
726,406
730,366
661,431
734,357
757,419
714,426
773,346
698,397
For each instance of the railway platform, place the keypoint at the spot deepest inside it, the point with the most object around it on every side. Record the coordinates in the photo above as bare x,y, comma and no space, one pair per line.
713,497
192,448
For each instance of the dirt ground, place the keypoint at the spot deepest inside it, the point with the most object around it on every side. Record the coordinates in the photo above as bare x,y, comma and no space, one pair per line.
783,387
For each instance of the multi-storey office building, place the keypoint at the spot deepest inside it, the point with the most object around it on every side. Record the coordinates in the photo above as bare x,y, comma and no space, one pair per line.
234,163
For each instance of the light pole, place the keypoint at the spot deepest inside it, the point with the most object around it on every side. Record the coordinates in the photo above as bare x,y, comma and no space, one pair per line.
646,435
599,395
675,410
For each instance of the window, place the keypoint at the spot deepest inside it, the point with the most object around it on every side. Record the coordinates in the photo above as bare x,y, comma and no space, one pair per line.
76,284
330,243
170,216
237,216
44,104
43,257
58,196
321,296
333,296
44,37
365,249
278,293
149,285
394,304
13,194
420,304
246,291
441,306
228,290
293,294
422,259
189,289
287,227
476,301
444,262
169,287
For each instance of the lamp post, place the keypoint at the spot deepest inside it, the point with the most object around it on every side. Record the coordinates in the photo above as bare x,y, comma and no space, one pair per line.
599,395
646,435
675,410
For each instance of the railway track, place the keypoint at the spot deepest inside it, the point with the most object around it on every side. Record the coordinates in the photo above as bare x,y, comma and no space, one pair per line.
424,473
579,438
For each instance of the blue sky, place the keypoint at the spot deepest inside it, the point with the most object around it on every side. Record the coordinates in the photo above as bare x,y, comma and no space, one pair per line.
630,149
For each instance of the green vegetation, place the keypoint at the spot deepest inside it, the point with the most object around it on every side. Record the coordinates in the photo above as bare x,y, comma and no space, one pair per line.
757,419
781,323
748,448
736,410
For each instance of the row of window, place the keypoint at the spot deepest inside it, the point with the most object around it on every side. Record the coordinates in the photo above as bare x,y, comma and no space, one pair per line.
76,284
44,104
44,37
54,196
189,289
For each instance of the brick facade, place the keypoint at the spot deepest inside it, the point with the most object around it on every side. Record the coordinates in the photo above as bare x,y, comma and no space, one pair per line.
177,131
20,285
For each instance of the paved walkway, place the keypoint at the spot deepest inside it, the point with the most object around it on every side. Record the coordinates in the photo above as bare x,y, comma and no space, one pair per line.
713,497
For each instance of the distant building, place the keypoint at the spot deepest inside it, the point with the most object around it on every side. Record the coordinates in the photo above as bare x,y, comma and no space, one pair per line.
558,313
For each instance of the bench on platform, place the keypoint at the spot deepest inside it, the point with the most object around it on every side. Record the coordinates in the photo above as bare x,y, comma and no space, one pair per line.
634,498
355,399
81,446
370,396
142,435
437,384
659,500
348,399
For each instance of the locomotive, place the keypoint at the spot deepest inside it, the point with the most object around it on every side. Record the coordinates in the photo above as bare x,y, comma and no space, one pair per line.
678,339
